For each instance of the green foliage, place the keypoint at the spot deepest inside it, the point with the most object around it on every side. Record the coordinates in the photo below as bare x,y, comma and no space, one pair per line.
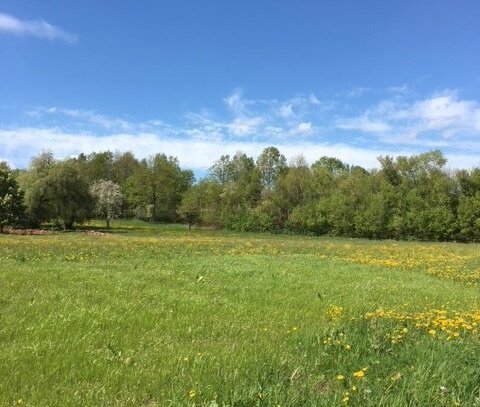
11,199
469,217
412,197
270,164
156,187
190,207
57,192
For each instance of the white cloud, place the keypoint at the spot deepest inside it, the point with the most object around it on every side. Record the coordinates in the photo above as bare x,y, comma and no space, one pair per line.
394,125
286,110
438,117
447,112
303,128
197,154
244,126
35,28
235,102
364,124
313,99
101,120
402,89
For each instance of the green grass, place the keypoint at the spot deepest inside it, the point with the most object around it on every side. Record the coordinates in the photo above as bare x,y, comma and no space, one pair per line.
158,316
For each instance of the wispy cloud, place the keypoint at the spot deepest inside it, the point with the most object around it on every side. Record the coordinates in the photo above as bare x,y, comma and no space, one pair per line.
27,142
358,91
106,122
395,125
36,28
22,143
364,124
438,117
303,129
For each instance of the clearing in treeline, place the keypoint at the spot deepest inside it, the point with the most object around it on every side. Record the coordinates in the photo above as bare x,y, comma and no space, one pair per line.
155,315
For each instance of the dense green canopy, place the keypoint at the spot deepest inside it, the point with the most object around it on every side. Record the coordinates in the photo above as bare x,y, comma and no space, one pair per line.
413,197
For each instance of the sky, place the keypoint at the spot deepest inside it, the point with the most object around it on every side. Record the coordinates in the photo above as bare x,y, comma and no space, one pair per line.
197,79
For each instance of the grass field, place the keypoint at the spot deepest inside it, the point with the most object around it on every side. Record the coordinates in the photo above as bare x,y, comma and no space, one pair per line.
159,316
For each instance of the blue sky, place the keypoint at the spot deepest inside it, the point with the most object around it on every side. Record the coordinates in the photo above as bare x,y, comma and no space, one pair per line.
351,79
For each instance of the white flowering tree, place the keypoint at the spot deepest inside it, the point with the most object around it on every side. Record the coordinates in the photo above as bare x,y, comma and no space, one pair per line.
108,199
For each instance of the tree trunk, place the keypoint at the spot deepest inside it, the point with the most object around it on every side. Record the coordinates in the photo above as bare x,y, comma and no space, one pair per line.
108,223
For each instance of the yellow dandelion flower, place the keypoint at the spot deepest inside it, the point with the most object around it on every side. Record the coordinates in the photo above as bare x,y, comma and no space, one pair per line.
340,377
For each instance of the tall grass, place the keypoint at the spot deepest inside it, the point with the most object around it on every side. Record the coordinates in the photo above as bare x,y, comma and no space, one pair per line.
157,316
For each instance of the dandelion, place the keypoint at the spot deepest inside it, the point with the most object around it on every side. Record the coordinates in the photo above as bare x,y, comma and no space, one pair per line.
359,374
340,377
334,312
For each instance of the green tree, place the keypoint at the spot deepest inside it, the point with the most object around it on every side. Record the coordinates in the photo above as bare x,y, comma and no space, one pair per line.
190,207
156,187
36,186
241,193
96,166
221,170
11,198
270,164
56,191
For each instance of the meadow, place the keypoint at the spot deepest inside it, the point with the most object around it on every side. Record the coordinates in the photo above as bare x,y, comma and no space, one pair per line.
162,316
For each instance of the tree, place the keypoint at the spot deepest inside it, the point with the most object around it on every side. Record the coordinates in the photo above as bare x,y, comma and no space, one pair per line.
123,166
190,207
11,198
68,194
270,164
156,187
241,193
56,191
96,166
331,164
34,183
108,199
221,170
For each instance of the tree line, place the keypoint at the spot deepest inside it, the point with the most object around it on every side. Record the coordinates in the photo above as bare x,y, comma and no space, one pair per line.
407,197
